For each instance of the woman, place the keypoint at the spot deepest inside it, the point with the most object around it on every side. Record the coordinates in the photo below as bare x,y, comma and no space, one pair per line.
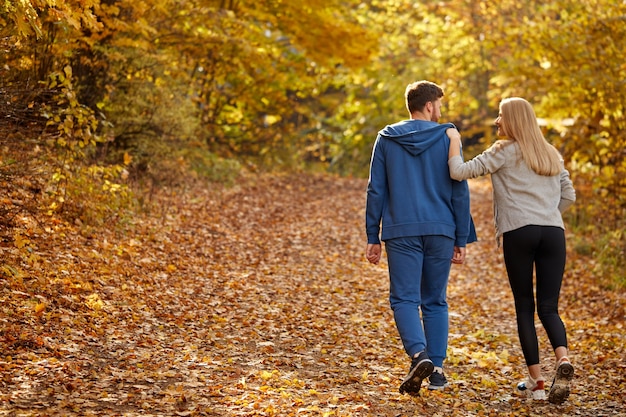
531,188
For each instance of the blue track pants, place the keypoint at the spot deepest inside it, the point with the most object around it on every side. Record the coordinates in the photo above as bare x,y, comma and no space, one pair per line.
418,271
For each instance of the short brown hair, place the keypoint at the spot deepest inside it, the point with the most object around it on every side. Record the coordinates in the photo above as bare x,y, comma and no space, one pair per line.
419,93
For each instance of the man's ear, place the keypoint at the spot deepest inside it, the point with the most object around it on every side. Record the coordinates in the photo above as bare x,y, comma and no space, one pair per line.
429,107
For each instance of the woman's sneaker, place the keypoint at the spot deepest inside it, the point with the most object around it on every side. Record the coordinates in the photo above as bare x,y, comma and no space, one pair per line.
421,367
559,391
532,389
437,380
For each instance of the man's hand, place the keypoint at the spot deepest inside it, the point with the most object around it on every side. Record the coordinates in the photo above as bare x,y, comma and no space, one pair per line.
459,255
455,142
373,252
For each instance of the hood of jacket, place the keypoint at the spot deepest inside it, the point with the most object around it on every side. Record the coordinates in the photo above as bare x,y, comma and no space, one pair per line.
416,136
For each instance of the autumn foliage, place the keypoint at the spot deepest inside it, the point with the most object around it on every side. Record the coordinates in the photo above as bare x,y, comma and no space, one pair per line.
151,265
256,300
148,91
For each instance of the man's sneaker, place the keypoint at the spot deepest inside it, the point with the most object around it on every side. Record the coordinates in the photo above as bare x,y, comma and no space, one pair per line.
559,391
532,389
421,367
437,380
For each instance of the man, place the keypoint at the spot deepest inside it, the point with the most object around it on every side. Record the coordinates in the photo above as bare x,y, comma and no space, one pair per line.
426,225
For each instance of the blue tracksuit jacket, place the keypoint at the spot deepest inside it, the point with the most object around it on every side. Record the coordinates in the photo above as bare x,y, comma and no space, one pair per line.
410,190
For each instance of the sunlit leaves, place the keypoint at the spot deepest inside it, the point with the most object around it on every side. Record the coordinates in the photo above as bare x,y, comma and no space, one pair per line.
256,300
30,17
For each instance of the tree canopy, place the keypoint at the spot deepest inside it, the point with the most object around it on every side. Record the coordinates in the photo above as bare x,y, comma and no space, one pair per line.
145,89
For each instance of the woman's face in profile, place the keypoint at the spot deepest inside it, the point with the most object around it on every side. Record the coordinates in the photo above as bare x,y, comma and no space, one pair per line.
499,123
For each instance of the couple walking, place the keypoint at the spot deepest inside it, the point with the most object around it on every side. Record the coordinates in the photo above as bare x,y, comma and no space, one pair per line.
418,204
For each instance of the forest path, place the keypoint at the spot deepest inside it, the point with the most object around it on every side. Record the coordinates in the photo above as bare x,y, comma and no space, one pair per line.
257,301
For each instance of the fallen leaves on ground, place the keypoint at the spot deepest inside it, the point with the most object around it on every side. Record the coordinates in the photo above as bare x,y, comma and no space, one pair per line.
257,301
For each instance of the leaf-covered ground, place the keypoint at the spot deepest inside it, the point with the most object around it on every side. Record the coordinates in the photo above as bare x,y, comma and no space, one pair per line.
257,301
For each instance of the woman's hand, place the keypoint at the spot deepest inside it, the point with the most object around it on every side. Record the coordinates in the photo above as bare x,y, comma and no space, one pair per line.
455,142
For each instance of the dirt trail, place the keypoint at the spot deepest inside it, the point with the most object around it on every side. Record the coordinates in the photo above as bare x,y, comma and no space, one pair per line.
257,301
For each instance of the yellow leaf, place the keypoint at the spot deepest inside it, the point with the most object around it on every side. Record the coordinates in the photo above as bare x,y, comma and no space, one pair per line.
20,241
365,375
94,302
268,375
39,308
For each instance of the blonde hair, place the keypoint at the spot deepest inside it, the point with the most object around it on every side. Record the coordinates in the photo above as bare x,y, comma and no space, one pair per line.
519,123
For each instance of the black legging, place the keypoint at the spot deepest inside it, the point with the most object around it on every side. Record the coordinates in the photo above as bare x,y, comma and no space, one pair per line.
544,248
